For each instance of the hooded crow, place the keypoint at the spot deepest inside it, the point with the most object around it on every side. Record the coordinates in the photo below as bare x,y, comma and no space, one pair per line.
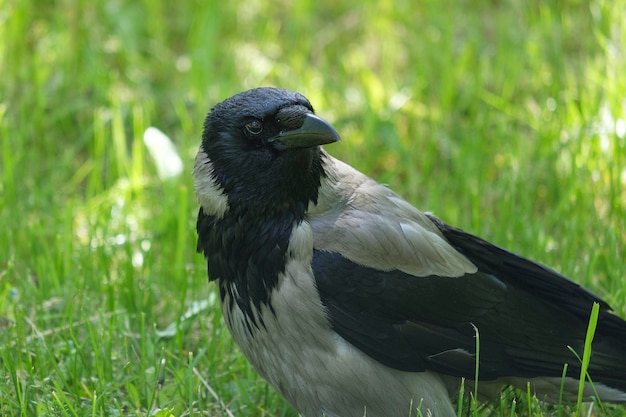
353,303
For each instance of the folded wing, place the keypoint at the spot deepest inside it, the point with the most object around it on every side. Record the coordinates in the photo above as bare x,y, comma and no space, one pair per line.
425,315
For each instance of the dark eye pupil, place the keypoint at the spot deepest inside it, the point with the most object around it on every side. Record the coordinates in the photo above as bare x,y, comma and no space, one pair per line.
254,126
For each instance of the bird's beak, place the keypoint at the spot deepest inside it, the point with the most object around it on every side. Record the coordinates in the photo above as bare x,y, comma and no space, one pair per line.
313,132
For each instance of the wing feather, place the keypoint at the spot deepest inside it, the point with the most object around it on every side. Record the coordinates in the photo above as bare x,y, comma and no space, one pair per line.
383,270
370,224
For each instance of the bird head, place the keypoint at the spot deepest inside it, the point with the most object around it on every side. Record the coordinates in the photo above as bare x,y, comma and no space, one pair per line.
263,145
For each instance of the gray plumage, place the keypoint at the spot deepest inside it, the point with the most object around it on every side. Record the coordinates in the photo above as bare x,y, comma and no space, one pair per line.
350,301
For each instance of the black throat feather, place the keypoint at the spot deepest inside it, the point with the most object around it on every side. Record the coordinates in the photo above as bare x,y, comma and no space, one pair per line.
246,248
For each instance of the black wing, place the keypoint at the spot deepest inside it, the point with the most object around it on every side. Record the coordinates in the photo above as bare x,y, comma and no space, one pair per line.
526,316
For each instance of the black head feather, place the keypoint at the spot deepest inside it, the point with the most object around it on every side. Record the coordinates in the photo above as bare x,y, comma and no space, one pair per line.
253,171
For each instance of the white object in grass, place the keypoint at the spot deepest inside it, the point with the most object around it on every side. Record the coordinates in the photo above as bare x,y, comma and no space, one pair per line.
163,151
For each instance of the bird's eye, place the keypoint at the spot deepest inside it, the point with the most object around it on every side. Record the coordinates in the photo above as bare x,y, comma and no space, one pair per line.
254,126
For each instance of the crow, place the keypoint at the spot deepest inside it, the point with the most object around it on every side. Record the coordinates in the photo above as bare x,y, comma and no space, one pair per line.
352,303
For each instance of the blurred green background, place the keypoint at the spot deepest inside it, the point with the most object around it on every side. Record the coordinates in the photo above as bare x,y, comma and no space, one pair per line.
505,118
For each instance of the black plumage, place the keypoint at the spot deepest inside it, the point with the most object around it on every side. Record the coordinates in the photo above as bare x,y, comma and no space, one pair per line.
247,247
526,315
328,279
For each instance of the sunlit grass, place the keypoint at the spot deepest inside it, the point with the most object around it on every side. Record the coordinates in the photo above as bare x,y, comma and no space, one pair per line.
506,119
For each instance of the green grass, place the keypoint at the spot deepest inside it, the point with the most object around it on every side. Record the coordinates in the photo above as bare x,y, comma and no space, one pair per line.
504,118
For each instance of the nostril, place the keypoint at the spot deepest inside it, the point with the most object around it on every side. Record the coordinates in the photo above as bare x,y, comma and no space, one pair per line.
291,117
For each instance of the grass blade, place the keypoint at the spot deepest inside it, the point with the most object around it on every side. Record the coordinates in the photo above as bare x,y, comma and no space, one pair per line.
591,329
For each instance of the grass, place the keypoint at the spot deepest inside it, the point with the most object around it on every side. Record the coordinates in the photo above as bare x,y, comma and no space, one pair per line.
504,118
